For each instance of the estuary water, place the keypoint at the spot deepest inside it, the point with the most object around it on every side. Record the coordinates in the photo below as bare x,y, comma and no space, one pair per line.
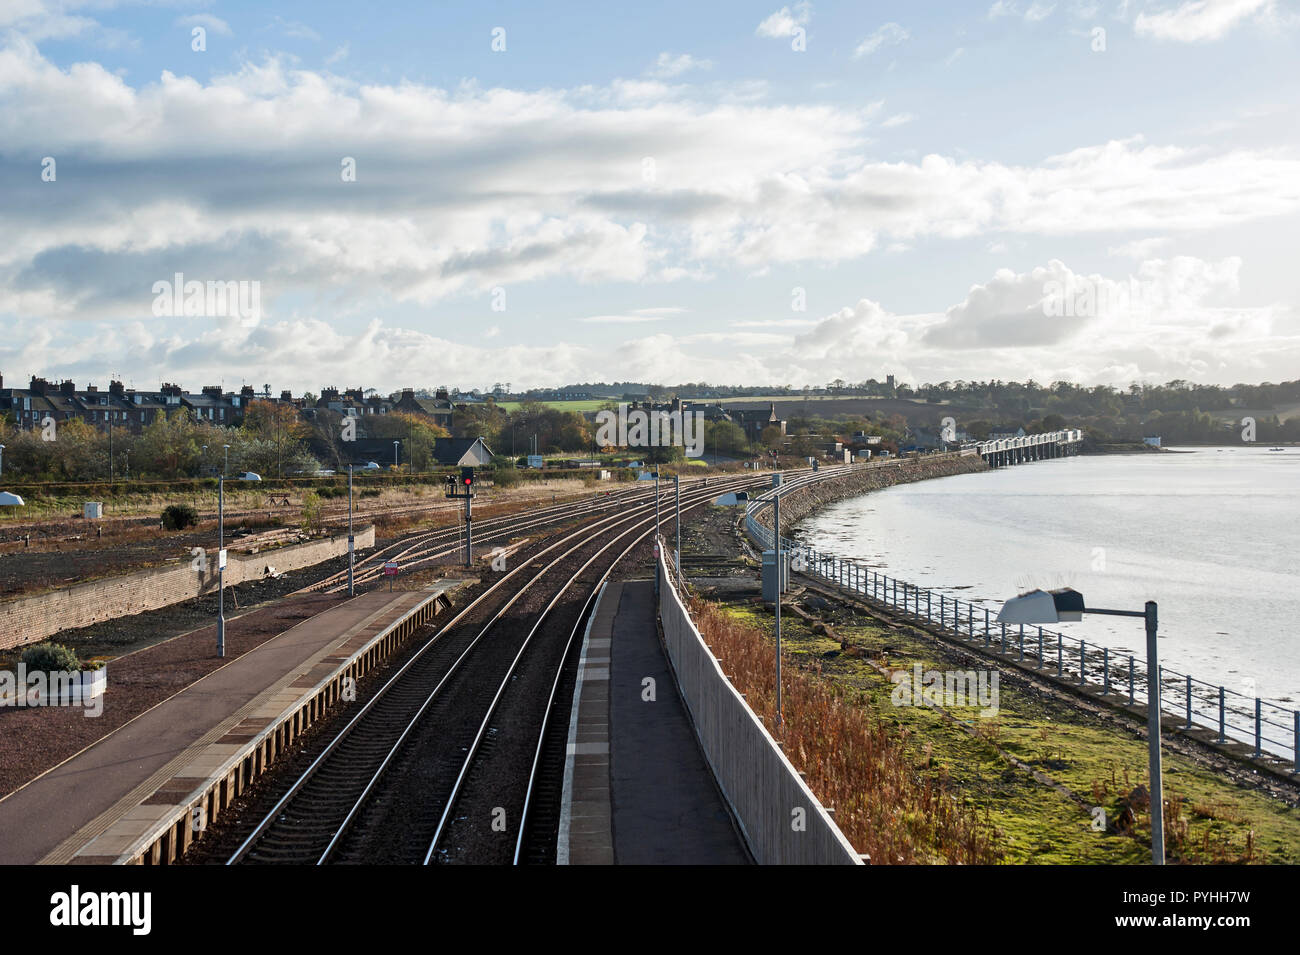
1211,534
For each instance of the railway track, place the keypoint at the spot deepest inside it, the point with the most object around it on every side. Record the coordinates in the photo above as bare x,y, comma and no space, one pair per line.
482,786
423,549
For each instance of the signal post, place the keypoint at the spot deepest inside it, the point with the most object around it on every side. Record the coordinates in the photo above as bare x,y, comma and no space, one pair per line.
465,488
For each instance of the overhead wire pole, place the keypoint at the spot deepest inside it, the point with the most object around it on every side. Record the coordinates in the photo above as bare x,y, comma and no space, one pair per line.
656,546
221,566
677,489
352,590
776,522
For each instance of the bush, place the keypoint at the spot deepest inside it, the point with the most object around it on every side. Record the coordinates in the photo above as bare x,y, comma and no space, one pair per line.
177,517
371,492
311,512
51,656
505,477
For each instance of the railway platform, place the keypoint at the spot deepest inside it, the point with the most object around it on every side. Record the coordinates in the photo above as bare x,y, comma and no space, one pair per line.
146,790
637,788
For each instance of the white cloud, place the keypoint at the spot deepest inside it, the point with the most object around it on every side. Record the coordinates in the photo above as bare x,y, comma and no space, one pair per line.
669,65
632,319
783,22
237,177
1039,11
242,174
1182,322
773,323
207,21
1139,248
898,119
889,34
1002,8
1171,319
293,28
1199,21
954,56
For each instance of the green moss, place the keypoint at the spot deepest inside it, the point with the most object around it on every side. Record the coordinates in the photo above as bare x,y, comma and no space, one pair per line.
1096,760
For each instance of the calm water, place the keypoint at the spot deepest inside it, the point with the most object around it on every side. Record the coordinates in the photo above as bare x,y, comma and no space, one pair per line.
1212,535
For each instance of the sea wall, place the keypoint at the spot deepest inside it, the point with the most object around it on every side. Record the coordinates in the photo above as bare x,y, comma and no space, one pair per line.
799,502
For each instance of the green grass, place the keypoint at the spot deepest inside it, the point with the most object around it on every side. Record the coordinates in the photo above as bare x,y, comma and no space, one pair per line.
1092,758
592,404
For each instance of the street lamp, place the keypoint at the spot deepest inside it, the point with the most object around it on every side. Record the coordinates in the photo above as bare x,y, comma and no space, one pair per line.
2,459
1066,605
225,468
395,444
221,565
203,457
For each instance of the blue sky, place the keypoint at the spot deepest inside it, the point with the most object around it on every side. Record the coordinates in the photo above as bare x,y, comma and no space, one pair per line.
650,192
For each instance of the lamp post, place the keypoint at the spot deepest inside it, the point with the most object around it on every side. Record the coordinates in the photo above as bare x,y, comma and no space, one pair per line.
395,444
221,565
2,459
203,457
1066,605
225,468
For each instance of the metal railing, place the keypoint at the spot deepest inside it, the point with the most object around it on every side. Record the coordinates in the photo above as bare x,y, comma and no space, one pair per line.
1265,726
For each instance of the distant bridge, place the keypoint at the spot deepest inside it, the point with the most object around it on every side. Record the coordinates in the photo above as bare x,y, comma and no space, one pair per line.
1032,447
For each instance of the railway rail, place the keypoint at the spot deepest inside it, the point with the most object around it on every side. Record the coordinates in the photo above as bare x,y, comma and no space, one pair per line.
452,758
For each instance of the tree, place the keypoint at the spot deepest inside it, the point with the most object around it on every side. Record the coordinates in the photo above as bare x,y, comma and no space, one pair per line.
725,437
279,429
169,446
417,433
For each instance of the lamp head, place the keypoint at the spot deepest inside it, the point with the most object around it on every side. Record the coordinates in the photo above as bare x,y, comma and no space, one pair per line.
1064,605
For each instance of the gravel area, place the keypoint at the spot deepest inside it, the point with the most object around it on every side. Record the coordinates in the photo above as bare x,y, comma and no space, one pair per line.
35,739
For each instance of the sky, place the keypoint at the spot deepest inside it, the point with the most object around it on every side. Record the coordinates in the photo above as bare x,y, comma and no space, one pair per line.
424,194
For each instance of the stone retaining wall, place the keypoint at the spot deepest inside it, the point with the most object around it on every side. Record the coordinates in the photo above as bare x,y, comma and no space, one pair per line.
31,619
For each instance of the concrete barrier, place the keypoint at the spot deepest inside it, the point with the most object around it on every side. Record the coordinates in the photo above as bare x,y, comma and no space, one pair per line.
27,620
781,820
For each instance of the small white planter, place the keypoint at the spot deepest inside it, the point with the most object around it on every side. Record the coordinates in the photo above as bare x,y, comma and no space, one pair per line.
86,685
63,689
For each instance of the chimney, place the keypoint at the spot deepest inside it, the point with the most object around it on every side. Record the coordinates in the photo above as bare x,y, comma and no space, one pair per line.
286,396
212,391
68,388
247,392
115,388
